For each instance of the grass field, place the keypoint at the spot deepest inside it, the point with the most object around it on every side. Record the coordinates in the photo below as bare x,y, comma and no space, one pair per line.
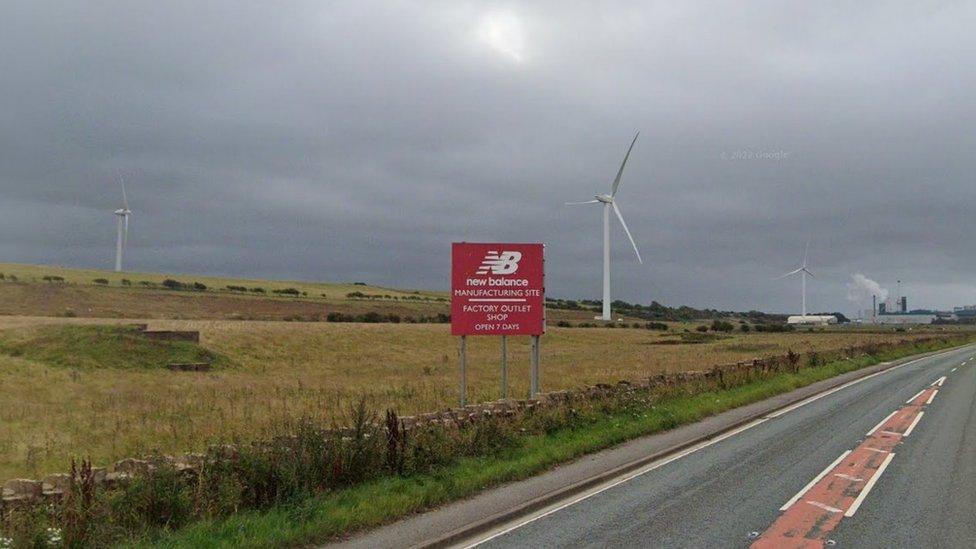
336,513
278,372
24,291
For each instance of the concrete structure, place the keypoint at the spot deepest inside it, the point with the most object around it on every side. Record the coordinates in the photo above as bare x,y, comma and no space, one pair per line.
812,320
905,319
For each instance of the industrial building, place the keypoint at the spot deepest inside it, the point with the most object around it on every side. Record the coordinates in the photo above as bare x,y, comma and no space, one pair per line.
894,310
812,320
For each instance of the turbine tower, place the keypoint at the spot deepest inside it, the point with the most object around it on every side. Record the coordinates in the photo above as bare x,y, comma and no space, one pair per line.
609,202
803,272
122,216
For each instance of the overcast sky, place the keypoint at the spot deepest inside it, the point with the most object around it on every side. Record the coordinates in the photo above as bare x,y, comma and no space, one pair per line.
353,141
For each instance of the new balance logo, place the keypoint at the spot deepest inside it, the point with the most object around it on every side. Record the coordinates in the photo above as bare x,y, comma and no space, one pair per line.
504,263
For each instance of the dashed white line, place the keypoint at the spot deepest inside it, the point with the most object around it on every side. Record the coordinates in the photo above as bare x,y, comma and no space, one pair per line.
824,506
918,394
953,370
867,487
792,407
914,423
876,450
848,477
720,438
932,397
880,423
815,480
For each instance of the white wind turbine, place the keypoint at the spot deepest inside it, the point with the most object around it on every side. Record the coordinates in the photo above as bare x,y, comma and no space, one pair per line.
803,272
609,202
122,216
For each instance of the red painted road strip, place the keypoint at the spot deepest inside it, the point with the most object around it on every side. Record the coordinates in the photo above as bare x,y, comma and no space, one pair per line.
819,508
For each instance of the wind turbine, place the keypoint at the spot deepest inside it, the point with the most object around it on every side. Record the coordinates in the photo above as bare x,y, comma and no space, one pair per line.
609,202
803,272
122,215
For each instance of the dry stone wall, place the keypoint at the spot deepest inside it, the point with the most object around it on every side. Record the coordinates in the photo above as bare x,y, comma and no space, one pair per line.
17,492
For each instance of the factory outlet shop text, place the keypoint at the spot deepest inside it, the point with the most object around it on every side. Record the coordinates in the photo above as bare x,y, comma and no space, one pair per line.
497,289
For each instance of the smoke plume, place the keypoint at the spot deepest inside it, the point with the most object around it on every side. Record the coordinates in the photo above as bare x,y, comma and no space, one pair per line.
862,288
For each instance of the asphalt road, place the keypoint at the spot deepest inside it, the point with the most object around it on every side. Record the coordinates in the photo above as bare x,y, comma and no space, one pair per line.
909,481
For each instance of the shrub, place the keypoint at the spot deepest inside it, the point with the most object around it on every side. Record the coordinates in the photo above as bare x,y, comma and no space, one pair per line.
52,279
147,284
126,282
101,281
564,324
2,276
237,288
199,287
257,290
702,328
171,284
355,295
745,328
287,291
722,326
656,326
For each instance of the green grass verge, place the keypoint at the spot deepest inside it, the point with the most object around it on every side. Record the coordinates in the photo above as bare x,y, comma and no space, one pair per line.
92,347
324,517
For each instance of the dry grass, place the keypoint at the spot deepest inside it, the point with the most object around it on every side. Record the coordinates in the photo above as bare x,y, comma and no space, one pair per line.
36,273
286,370
78,296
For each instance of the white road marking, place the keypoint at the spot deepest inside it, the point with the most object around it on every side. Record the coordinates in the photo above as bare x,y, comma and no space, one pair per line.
665,461
893,433
918,394
603,488
876,450
824,506
867,487
953,370
931,398
848,477
914,423
815,480
814,398
882,422
938,382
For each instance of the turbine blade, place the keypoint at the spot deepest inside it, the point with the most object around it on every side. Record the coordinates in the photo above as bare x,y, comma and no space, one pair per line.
620,172
578,203
806,250
125,232
808,272
623,224
791,273
125,201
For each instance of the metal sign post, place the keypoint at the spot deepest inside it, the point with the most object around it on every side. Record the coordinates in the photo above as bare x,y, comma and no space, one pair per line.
504,367
498,289
534,389
464,371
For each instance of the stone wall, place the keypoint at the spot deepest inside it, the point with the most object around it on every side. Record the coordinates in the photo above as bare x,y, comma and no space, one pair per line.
29,492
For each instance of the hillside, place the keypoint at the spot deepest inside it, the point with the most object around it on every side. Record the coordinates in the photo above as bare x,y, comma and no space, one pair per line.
37,290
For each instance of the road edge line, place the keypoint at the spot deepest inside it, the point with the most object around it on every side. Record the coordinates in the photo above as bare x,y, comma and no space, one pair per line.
541,502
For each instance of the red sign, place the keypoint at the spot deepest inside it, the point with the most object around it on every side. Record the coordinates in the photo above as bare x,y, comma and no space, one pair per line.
497,289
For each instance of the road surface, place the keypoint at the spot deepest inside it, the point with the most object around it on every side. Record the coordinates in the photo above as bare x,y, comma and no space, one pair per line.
889,461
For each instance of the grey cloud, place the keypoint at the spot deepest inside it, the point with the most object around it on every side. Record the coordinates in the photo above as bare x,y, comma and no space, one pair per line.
355,140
